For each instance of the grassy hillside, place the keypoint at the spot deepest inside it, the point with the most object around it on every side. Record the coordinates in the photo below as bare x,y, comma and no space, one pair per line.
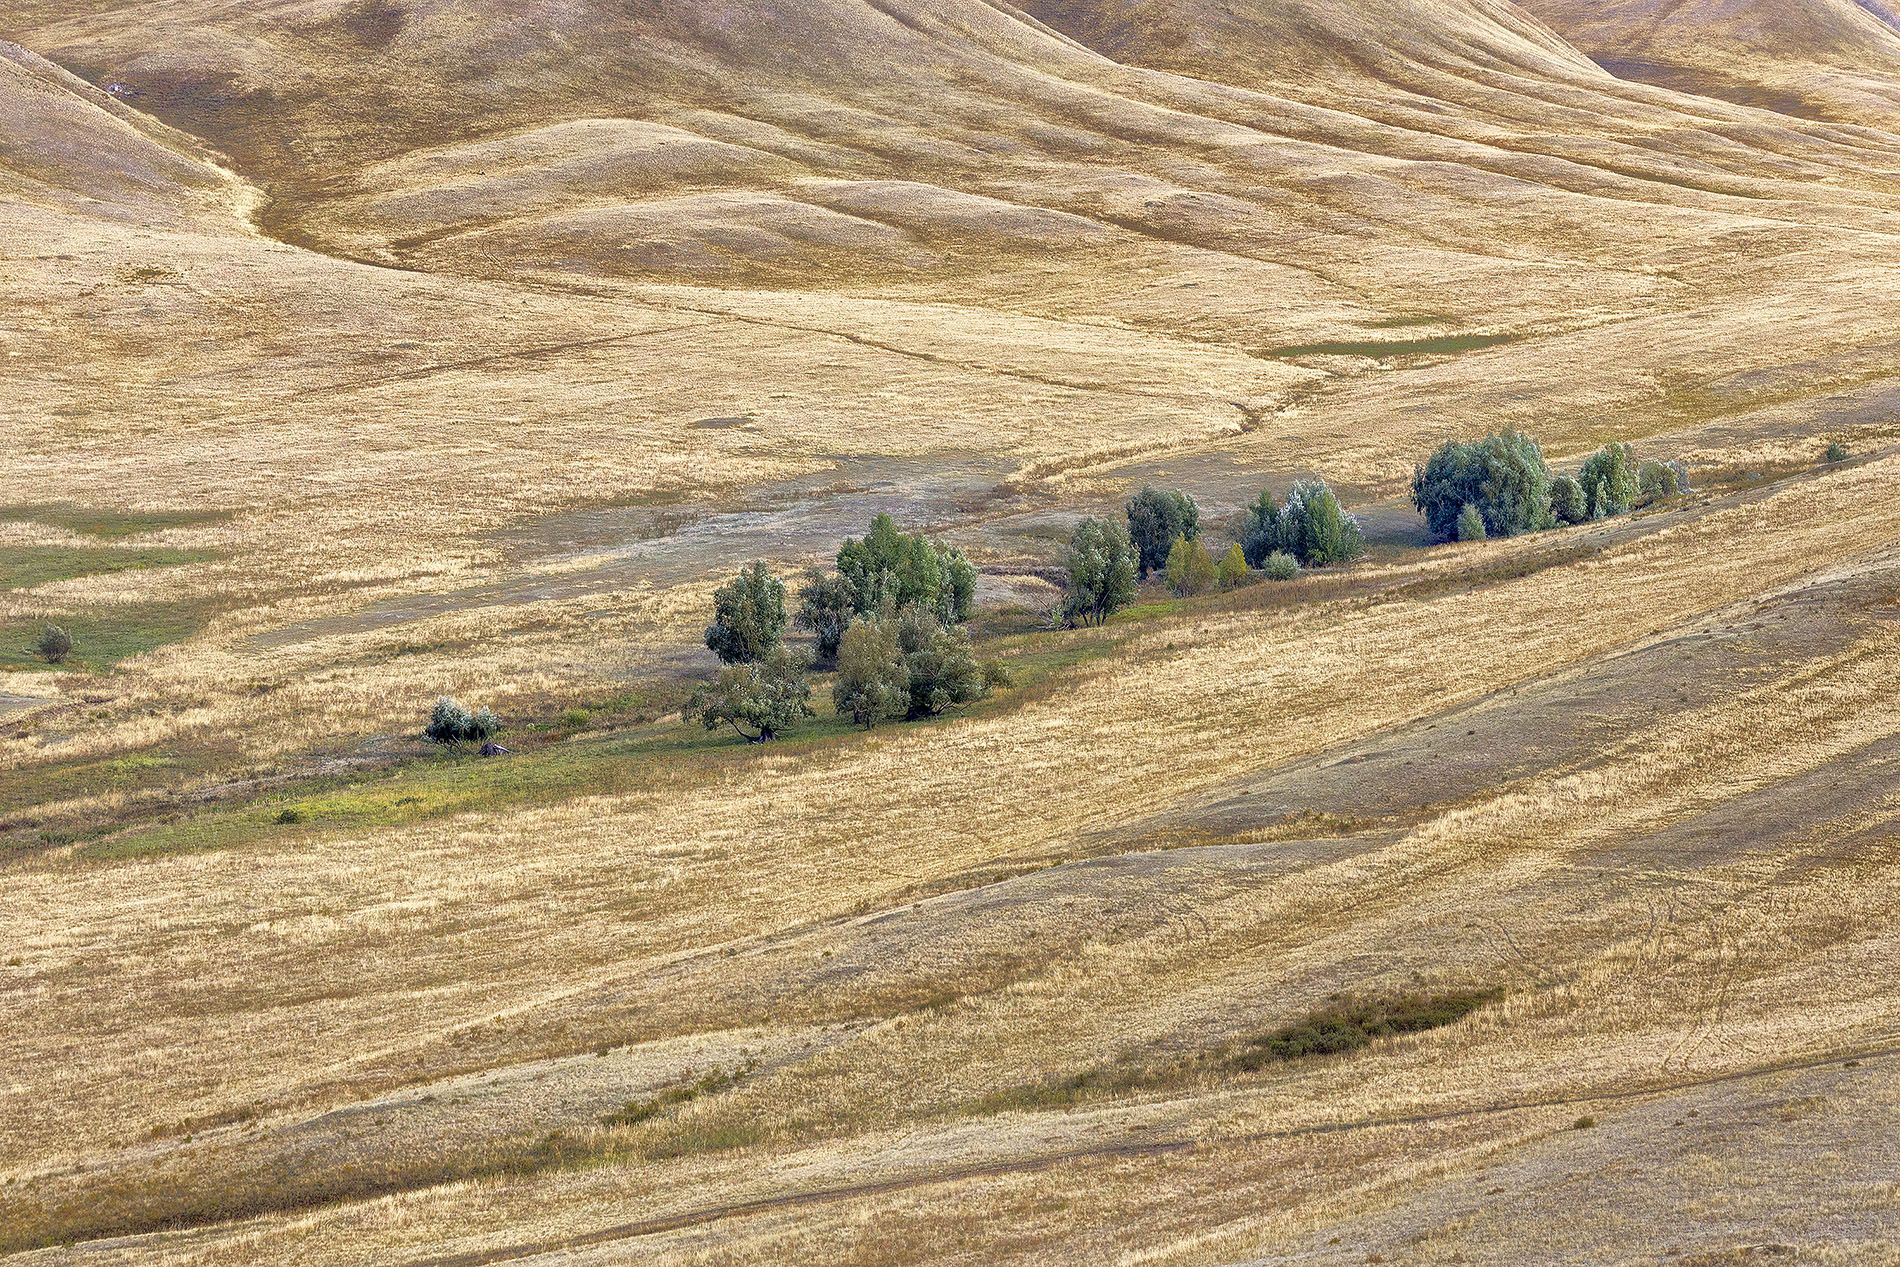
1526,892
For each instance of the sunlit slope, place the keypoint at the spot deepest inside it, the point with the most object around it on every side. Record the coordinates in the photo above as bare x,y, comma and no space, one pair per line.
816,142
1830,59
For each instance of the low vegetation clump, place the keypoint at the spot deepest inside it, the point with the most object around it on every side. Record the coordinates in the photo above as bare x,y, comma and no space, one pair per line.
1311,526
1280,566
1156,519
54,645
1836,452
760,700
1190,570
1351,1024
452,725
1103,568
637,1111
1504,476
1657,480
748,617
1345,1026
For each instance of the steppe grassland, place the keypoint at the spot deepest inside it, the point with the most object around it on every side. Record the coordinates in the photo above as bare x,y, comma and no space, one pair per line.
846,833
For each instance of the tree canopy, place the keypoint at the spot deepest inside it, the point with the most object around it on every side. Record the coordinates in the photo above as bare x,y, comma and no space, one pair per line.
748,616
1609,480
1102,567
1503,475
887,568
759,700
1155,518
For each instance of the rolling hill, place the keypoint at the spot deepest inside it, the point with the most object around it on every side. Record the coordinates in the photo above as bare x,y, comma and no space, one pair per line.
364,351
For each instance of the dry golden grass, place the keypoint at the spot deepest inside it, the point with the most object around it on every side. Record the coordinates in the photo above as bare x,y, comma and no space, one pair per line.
493,344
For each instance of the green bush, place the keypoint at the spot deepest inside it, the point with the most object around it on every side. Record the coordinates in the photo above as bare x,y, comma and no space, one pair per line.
826,604
942,668
452,725
1232,570
748,617
1567,502
54,645
888,569
1280,566
1189,570
1657,480
1315,529
1837,452
1155,518
1503,475
1102,565
1470,524
1609,481
760,700
1260,536
873,682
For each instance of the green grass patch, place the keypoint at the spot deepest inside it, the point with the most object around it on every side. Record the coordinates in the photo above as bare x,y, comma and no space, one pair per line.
23,567
1382,349
104,637
95,521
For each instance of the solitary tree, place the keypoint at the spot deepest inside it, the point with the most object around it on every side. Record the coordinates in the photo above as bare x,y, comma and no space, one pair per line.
748,616
759,699
1155,518
1609,480
1101,565
1836,452
873,683
826,603
1189,571
54,644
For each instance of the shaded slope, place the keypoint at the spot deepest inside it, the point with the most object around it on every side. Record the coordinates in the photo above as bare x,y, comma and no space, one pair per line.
1832,59
68,145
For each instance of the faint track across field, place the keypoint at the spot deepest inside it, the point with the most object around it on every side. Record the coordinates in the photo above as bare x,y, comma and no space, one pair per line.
1887,1048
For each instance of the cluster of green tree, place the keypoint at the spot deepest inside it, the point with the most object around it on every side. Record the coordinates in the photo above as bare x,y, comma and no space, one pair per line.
889,618
885,572
1501,486
1311,528
1107,562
